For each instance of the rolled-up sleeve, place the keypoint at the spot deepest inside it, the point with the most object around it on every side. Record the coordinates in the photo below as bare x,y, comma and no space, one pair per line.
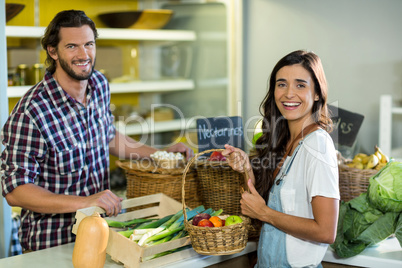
24,146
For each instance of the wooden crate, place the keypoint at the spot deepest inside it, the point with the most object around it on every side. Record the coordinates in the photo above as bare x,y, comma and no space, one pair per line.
130,254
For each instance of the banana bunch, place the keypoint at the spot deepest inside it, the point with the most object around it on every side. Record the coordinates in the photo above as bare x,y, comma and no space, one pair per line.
376,161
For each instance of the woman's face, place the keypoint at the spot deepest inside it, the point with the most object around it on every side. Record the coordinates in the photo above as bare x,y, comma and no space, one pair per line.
294,93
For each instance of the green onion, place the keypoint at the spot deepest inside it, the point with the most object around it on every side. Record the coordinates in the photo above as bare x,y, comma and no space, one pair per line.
208,211
126,233
134,237
141,231
155,224
180,234
120,224
175,224
217,212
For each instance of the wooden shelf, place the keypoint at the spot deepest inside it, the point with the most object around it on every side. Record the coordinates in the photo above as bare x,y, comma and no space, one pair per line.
111,34
131,87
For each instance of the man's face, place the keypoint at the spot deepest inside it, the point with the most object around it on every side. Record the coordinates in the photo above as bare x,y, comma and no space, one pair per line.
76,52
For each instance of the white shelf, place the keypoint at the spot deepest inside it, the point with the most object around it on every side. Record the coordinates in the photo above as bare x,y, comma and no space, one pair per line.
387,110
152,86
111,34
17,91
149,126
131,87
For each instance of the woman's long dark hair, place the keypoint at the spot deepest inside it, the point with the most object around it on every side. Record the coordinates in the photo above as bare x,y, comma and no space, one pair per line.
66,18
271,146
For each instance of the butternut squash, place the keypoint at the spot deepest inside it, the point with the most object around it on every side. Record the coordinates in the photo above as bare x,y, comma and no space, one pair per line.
91,242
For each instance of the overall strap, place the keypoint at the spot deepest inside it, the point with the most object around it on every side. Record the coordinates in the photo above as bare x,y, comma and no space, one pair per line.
305,131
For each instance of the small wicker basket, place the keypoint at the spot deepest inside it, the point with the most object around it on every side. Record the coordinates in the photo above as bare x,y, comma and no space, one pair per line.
353,181
146,178
225,240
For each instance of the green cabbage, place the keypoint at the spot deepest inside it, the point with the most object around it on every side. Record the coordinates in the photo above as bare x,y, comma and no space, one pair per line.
360,226
385,190
373,216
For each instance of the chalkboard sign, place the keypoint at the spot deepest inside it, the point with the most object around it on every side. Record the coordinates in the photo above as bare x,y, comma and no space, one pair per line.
346,125
215,132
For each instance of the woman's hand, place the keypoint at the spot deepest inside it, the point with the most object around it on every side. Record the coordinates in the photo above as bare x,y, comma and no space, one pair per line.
181,148
236,158
252,204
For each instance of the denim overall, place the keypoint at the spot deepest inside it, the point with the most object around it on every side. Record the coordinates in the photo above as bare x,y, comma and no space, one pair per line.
272,243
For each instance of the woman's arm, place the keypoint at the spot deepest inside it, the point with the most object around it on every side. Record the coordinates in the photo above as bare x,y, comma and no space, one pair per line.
321,229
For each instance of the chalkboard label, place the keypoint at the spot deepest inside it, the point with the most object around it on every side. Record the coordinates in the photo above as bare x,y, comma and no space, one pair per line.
346,125
215,132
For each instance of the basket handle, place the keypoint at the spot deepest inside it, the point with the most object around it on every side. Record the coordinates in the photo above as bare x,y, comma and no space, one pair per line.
186,169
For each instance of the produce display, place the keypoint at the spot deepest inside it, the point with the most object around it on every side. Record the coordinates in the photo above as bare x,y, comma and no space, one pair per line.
150,232
374,215
377,160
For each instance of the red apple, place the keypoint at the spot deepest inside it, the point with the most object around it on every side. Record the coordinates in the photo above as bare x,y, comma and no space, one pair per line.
217,156
223,222
200,216
205,223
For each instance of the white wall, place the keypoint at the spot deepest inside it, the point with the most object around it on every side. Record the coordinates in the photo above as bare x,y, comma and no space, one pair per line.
359,42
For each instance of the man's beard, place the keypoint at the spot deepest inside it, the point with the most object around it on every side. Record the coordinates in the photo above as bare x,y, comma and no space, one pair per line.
64,65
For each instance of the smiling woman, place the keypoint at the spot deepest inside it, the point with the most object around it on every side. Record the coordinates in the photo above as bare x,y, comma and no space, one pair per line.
296,198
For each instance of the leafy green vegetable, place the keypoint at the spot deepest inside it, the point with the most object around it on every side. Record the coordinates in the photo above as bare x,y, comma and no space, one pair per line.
361,225
398,230
385,189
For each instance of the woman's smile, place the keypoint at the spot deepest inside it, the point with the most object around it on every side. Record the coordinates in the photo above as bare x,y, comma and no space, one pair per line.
294,92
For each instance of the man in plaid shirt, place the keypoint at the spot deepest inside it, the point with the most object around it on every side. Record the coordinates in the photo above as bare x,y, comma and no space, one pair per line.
58,139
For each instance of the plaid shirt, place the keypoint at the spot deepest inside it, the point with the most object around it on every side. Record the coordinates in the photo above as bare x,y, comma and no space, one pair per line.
55,142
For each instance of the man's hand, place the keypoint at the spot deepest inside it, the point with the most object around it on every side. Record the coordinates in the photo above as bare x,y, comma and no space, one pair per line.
106,200
181,148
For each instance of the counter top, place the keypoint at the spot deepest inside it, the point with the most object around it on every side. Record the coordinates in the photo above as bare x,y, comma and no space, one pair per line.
388,254
61,257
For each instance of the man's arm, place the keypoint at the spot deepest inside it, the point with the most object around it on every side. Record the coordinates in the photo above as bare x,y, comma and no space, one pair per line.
40,200
125,147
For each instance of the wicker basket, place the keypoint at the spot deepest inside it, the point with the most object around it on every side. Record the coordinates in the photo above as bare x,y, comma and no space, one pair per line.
145,178
221,184
353,181
221,188
225,240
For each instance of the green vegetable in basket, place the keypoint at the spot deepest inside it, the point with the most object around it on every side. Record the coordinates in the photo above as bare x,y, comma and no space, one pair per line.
385,189
373,216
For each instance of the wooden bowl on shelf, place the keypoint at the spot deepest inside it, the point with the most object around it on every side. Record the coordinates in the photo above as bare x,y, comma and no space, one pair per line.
13,10
153,19
122,19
